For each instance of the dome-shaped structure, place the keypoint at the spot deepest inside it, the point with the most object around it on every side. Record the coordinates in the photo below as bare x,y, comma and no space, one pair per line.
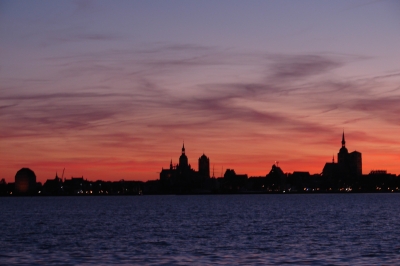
343,150
204,157
25,181
183,160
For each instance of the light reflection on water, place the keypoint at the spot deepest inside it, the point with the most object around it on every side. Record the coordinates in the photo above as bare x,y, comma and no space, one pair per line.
320,229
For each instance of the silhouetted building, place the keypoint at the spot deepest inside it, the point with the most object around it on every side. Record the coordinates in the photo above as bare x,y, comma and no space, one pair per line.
75,185
331,170
381,181
275,180
346,172
204,166
53,186
350,164
3,187
297,181
183,160
25,182
181,169
256,184
181,178
234,182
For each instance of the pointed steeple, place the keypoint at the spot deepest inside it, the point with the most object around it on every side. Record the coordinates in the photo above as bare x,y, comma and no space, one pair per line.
333,158
183,160
343,141
170,165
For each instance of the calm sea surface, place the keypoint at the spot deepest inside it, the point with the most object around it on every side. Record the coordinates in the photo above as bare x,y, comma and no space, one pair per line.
318,229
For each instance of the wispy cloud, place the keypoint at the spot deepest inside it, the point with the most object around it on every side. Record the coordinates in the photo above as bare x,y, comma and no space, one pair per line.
122,99
385,108
302,66
142,93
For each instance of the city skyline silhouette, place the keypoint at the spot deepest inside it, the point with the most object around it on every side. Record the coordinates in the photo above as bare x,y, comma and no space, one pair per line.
109,91
341,176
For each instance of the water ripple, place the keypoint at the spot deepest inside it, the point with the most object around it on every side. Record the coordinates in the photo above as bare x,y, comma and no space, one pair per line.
332,229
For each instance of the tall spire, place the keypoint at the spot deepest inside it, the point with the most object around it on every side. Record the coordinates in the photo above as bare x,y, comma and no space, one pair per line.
183,148
343,141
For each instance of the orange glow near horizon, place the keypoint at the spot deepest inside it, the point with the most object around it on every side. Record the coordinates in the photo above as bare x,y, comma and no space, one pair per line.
253,162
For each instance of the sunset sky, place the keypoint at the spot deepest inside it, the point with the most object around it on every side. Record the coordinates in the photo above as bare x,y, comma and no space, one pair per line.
110,89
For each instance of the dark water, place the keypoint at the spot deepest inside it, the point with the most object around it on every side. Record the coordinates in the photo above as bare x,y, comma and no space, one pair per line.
334,229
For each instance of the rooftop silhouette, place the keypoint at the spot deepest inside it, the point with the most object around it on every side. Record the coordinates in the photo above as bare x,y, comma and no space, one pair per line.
345,175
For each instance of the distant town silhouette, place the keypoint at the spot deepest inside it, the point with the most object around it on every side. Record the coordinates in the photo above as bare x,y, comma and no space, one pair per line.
344,175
